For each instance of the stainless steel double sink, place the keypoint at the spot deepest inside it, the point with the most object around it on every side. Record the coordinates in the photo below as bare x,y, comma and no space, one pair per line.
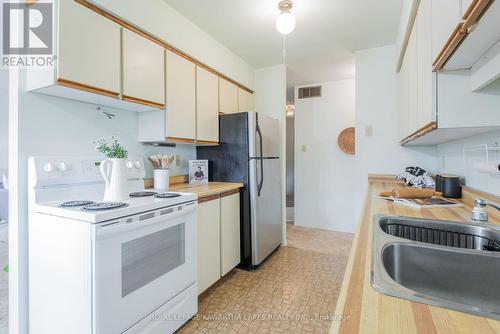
440,263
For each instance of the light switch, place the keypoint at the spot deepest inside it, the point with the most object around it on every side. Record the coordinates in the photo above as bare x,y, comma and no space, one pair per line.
368,131
303,148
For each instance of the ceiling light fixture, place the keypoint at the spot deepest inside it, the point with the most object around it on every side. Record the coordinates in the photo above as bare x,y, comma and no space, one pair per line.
285,23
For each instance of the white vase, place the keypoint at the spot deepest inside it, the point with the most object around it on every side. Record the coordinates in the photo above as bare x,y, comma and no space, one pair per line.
161,179
114,172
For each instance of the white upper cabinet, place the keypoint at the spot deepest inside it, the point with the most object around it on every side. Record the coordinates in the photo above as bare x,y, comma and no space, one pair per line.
425,76
446,14
143,69
245,100
437,104
88,48
207,106
181,98
89,62
228,97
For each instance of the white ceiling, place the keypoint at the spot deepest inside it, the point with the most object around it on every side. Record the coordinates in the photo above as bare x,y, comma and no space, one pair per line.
327,31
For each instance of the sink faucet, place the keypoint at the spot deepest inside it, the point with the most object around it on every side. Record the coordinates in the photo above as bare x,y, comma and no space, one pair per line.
479,212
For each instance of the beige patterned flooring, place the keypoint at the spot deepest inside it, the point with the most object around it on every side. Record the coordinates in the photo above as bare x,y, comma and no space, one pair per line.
294,291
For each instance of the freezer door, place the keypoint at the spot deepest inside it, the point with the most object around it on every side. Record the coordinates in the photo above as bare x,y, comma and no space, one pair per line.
269,134
266,220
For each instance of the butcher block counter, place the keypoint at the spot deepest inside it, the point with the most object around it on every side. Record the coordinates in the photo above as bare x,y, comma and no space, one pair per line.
364,310
205,192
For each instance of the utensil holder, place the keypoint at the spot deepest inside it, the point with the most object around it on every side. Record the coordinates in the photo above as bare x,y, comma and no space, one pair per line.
161,179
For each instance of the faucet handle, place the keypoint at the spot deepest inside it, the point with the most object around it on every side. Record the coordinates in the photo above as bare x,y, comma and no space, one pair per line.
479,212
483,203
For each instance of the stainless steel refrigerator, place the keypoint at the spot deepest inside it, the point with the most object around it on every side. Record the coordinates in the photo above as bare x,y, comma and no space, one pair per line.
249,152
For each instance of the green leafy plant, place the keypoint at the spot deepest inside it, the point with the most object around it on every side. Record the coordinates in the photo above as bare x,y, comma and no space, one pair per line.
111,150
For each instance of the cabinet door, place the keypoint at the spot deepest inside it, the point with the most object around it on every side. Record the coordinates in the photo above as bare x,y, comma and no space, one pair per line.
230,233
446,15
181,97
207,105
228,97
412,78
423,26
88,48
208,244
143,68
245,100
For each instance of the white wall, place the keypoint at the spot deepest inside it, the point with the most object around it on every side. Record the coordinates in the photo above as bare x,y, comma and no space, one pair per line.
164,22
376,106
4,120
324,175
270,99
450,160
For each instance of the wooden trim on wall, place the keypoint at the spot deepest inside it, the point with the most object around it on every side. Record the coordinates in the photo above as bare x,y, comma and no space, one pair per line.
420,132
208,198
158,41
143,102
87,88
450,47
230,192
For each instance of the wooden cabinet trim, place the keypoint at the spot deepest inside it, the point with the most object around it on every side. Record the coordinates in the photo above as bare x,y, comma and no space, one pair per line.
471,17
208,198
144,102
475,12
449,48
420,132
87,88
158,41
207,142
181,140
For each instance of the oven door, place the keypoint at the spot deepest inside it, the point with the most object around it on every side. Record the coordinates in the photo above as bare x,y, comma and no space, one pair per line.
141,262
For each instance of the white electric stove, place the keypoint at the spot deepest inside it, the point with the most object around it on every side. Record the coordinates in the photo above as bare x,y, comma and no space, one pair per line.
107,267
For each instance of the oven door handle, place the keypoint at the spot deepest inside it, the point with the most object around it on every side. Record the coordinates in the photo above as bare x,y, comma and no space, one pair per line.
122,227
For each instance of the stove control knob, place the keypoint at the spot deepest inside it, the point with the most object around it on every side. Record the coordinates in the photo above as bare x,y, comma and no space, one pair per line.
48,167
137,164
130,164
62,166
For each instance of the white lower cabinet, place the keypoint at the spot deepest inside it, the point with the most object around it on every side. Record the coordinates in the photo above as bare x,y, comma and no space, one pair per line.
208,244
218,238
229,233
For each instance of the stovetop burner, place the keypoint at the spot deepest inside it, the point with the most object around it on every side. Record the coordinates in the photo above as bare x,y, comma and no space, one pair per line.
104,206
167,195
143,194
72,204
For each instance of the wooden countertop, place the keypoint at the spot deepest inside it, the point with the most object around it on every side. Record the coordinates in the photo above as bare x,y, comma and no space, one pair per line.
367,311
204,191
207,190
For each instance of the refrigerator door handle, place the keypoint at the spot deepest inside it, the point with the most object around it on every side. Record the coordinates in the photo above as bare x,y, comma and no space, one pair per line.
261,182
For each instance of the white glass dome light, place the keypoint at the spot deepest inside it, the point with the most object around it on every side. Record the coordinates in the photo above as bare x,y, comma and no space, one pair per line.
285,22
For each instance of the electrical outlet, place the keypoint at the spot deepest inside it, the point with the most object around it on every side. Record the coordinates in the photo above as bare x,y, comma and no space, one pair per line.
303,148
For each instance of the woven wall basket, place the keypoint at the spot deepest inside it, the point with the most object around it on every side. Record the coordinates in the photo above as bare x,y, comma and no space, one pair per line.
346,140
